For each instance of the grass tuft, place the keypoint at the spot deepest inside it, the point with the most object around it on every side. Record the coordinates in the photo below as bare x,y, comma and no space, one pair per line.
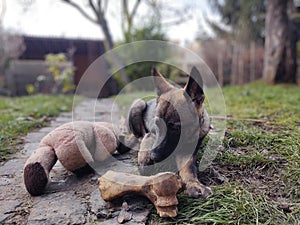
20,115
259,161
228,205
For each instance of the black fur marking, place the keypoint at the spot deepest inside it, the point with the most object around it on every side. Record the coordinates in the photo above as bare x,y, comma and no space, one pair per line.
35,178
126,143
135,118
87,169
161,152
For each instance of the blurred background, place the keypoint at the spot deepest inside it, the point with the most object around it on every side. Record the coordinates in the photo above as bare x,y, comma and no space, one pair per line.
46,46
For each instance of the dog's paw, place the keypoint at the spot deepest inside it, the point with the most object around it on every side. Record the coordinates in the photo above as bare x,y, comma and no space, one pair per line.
195,189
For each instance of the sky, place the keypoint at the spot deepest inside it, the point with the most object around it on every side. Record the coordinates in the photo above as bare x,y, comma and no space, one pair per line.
54,18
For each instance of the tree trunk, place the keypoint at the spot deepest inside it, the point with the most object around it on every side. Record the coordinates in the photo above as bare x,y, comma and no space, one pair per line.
220,69
280,44
107,33
241,75
110,45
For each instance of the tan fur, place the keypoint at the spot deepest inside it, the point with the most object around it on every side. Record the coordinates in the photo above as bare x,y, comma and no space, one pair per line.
75,145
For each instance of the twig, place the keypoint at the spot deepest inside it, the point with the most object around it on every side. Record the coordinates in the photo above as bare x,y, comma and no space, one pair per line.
76,6
238,119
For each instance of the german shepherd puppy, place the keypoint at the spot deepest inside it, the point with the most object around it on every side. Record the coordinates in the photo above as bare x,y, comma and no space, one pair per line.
172,126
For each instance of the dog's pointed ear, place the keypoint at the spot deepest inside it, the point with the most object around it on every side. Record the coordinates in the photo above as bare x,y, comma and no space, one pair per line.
160,82
194,87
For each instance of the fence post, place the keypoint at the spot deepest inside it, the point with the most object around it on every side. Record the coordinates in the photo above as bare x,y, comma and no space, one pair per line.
220,69
240,65
252,61
233,75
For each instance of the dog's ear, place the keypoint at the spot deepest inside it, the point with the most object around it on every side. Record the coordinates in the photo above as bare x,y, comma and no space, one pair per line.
194,87
160,82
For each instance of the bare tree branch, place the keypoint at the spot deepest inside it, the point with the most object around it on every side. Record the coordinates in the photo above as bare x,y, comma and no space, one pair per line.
99,3
238,119
128,16
155,6
76,6
91,3
134,10
100,19
178,16
125,9
176,21
100,7
125,16
152,3
105,6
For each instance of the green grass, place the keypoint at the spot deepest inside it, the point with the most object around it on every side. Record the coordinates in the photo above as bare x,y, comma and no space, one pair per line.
228,205
18,116
273,145
260,162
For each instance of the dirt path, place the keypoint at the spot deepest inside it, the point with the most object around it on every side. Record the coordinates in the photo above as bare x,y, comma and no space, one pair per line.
68,199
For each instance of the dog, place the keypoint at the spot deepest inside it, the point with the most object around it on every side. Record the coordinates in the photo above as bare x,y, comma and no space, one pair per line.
172,128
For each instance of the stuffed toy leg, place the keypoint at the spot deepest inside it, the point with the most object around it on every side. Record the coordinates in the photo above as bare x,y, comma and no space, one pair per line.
75,145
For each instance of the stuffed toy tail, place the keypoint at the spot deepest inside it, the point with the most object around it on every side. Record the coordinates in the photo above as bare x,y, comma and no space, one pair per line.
37,168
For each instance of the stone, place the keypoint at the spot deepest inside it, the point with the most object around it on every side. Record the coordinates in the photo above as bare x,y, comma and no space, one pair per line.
6,207
58,208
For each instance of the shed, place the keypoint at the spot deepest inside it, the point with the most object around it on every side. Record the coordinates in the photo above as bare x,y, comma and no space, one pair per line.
82,52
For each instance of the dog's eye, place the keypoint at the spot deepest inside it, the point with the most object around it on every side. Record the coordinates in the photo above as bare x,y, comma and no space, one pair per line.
198,101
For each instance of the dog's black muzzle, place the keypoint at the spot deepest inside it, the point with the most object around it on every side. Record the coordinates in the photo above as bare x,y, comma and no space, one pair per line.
174,136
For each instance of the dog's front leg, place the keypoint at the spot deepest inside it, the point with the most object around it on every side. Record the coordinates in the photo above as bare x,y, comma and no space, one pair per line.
188,173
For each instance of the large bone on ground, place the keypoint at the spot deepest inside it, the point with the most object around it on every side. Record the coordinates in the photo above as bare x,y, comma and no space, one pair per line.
160,189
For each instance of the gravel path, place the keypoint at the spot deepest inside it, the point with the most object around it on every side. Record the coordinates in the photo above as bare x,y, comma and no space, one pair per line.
68,199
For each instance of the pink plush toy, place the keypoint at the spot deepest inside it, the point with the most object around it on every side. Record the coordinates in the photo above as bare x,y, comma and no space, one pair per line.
75,145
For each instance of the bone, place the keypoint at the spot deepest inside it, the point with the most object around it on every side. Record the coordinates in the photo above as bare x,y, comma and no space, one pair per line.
160,189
